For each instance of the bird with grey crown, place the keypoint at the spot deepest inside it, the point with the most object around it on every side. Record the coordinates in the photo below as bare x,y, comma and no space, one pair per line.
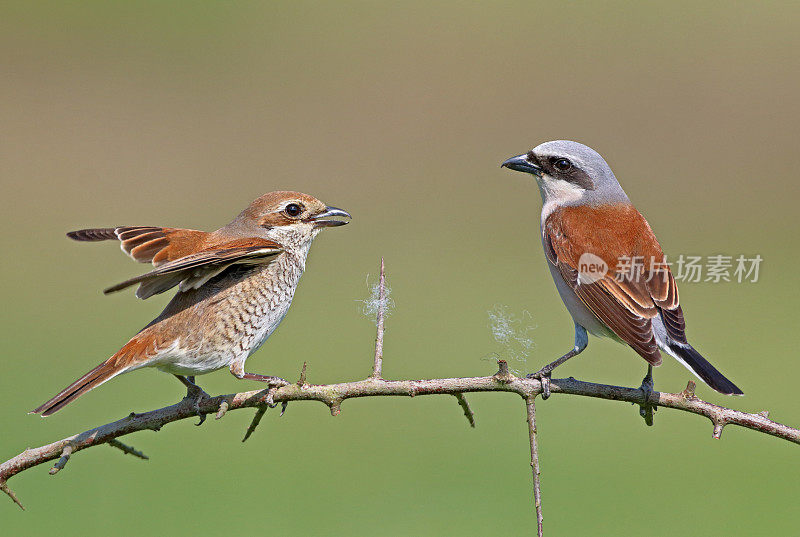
589,229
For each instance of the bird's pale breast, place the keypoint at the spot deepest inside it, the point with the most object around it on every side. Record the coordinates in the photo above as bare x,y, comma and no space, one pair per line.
225,320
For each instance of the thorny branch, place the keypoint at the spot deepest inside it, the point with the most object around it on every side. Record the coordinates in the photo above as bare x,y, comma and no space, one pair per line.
62,462
468,413
127,450
530,405
333,395
379,322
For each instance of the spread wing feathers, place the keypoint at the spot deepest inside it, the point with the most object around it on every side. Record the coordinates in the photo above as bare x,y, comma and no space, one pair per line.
194,270
147,244
93,235
626,306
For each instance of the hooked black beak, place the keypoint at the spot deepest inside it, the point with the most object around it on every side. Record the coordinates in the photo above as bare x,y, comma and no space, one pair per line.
319,220
520,163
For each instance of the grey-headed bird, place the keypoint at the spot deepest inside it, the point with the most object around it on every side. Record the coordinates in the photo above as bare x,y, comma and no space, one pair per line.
607,265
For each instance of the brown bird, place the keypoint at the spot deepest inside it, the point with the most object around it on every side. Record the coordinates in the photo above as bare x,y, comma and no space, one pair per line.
235,286
592,236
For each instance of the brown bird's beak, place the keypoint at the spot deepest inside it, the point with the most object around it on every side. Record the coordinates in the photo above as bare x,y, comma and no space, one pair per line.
319,220
521,163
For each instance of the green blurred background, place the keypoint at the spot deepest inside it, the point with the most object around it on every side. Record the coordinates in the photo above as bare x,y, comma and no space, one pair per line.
180,113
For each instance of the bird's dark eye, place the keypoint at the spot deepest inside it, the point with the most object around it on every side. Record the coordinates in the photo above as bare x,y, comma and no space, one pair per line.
562,164
293,209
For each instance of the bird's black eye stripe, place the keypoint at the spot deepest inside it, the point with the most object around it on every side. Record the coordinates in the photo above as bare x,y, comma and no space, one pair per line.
293,209
561,164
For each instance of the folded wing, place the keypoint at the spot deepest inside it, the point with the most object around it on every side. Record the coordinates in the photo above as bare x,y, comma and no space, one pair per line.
626,303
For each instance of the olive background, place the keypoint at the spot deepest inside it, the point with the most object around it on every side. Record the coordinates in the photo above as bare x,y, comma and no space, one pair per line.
180,113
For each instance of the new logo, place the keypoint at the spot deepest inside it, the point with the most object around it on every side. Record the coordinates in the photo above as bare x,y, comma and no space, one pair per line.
591,268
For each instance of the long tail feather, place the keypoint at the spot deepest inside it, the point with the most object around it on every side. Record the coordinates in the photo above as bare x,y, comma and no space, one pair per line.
693,360
90,380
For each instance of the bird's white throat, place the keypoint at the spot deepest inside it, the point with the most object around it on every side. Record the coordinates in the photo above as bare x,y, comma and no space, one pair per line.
557,193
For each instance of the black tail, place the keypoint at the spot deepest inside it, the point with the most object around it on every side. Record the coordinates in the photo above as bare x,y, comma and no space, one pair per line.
92,379
700,366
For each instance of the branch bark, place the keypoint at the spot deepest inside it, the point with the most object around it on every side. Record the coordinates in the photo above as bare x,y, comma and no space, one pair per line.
530,405
332,396
377,367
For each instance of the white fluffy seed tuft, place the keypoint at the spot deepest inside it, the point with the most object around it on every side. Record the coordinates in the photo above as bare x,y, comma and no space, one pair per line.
512,333
371,305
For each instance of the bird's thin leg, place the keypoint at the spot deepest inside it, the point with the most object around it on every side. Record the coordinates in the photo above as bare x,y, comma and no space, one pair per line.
237,370
581,341
271,380
273,383
195,392
646,409
192,389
